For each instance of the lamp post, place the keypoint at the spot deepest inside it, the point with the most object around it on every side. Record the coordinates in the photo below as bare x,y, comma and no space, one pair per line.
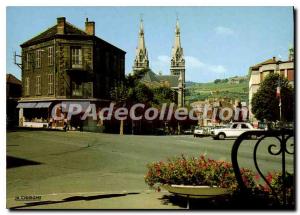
278,92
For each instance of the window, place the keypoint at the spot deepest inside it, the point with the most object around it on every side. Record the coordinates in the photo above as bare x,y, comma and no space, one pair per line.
26,86
234,125
83,89
50,56
38,59
27,63
50,83
76,89
290,74
38,85
76,57
244,126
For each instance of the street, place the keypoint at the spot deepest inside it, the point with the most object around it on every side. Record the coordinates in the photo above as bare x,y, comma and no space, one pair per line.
92,170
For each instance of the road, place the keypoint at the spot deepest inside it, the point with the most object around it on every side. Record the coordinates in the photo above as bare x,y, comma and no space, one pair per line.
94,170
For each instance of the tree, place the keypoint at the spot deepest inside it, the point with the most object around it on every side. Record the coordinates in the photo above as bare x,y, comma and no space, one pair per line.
131,91
163,95
265,104
217,81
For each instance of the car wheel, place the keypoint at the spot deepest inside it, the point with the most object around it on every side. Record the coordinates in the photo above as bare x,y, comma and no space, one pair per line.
221,136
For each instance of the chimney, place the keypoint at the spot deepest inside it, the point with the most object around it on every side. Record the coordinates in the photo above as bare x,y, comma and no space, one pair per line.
61,22
89,27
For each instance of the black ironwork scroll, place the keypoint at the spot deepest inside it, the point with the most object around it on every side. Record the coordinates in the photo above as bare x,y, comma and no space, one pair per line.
281,148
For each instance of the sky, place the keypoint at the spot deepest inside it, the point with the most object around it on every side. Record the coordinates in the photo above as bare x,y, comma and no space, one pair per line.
218,42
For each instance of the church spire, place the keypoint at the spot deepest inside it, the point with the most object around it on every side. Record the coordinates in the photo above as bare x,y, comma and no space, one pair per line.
177,35
177,58
178,65
141,57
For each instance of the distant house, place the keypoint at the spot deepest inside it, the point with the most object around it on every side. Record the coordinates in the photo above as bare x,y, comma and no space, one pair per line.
212,119
13,94
237,80
259,71
65,64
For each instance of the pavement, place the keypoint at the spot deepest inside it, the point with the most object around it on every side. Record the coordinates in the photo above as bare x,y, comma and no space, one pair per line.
82,170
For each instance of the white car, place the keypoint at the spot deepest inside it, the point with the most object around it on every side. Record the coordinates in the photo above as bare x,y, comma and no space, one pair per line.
232,130
198,132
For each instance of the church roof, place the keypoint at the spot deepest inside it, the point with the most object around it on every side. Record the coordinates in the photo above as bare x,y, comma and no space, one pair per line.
171,79
150,76
153,78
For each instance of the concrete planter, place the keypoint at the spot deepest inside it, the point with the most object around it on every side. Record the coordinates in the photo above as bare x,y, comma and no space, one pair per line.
201,192
196,191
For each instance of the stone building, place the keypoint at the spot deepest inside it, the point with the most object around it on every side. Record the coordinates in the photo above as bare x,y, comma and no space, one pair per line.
176,79
259,71
66,64
13,94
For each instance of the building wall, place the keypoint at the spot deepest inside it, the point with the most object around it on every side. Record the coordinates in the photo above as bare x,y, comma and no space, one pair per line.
31,71
257,76
102,64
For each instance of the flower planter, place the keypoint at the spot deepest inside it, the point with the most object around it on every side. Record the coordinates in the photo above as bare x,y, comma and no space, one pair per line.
196,191
201,192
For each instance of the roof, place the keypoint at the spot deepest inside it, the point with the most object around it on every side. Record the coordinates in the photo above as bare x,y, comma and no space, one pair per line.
172,79
52,31
12,79
151,77
269,61
69,30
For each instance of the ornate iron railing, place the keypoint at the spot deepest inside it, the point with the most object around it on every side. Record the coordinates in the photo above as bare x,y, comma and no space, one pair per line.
283,148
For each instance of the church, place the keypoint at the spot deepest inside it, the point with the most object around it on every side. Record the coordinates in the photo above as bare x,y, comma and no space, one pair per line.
176,79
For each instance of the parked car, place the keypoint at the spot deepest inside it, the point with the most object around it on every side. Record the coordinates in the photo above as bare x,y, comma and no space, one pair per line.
202,131
198,131
188,131
232,130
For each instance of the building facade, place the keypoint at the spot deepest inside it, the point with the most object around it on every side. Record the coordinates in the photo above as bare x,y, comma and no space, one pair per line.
259,71
176,79
67,64
13,94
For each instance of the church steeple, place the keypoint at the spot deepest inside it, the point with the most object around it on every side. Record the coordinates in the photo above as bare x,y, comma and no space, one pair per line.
177,58
141,57
178,65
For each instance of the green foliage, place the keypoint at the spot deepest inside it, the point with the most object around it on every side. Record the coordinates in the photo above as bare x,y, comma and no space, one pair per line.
202,91
119,92
163,95
265,105
133,91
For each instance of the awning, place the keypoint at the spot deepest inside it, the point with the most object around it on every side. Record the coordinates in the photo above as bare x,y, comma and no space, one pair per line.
84,105
34,104
43,104
26,105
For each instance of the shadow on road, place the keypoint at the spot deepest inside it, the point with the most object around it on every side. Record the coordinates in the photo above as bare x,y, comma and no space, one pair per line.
13,162
73,199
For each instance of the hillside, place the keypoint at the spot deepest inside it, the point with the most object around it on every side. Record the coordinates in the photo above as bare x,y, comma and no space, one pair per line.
219,89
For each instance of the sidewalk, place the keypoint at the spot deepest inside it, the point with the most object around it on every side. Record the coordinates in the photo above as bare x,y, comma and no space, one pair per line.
126,200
